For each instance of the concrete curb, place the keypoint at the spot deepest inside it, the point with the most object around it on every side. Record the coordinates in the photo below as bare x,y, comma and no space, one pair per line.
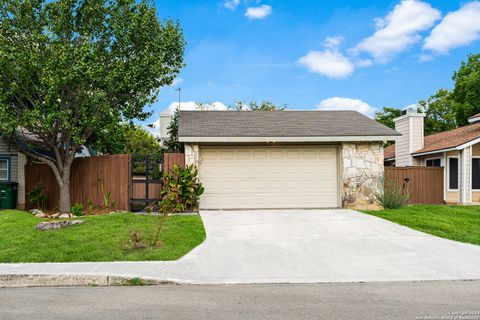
44,280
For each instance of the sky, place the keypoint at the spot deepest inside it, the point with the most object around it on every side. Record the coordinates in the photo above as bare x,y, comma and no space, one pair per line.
318,54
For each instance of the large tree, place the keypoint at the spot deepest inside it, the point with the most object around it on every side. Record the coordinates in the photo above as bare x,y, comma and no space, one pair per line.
70,68
466,93
440,113
386,116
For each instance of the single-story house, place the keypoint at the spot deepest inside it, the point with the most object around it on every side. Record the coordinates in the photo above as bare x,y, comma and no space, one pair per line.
284,159
457,150
12,169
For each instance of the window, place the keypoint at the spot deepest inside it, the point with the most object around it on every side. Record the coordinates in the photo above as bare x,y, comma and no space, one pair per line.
453,173
4,169
475,173
433,162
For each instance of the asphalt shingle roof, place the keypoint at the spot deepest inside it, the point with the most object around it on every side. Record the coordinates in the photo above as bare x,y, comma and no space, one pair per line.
317,123
443,140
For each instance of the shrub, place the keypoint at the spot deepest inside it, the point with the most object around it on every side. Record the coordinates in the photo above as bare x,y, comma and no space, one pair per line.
77,209
38,197
392,196
181,190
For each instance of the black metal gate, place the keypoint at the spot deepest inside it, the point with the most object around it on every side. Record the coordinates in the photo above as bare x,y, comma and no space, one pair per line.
146,180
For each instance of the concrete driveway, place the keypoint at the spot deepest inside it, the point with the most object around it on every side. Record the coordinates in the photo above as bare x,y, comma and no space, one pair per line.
296,246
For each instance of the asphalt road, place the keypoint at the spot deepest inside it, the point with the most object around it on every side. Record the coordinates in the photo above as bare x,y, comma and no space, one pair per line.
401,300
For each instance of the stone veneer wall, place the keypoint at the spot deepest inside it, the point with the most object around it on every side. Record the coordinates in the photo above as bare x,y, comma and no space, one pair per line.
191,154
362,172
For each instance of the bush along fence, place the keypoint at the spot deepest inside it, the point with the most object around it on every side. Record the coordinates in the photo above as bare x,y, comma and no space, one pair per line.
424,185
107,182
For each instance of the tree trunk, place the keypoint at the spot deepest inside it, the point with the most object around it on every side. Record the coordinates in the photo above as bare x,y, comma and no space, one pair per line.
64,201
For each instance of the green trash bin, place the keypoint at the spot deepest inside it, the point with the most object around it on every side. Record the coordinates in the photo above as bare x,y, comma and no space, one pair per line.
8,195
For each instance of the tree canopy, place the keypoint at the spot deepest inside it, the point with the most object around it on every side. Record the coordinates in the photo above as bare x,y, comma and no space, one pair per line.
128,139
254,106
71,70
466,93
386,116
440,112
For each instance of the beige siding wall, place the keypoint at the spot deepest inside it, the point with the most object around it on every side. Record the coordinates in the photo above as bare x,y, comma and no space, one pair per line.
402,153
417,133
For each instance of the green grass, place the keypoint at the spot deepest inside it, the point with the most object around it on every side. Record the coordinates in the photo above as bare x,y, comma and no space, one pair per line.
461,223
99,238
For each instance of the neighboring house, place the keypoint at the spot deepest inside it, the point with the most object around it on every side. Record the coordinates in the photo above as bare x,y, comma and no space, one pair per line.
12,169
457,150
284,159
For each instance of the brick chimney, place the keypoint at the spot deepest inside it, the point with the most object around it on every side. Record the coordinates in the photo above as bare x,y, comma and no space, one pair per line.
410,125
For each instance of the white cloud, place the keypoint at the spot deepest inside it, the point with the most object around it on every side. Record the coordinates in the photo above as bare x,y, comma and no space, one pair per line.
192,105
154,128
176,82
398,30
328,63
458,28
339,103
333,42
260,12
425,58
231,4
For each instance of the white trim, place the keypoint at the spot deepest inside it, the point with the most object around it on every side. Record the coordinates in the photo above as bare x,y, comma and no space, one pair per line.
7,160
473,119
286,139
460,147
458,174
471,173
434,158
434,151
468,144
445,176
410,140
464,175
410,115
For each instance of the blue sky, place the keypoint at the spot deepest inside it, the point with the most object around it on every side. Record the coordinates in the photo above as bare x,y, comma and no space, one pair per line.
361,55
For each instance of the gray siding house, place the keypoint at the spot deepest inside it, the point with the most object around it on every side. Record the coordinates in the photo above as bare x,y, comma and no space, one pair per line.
12,169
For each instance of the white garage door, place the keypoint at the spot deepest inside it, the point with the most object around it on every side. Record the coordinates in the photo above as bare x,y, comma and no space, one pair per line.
268,177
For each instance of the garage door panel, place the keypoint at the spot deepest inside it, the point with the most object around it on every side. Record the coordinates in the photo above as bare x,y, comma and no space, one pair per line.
268,177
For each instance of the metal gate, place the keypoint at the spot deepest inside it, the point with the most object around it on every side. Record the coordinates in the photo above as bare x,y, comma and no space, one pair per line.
146,180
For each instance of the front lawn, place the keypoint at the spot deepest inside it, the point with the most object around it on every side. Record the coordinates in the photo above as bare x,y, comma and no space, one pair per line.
99,238
461,223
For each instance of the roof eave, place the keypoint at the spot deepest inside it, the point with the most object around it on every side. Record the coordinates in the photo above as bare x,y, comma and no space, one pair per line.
197,139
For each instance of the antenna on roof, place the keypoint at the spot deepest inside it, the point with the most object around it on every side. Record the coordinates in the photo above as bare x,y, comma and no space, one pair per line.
179,95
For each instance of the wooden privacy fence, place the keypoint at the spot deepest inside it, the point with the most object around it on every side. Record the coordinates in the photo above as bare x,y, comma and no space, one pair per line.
423,184
170,159
91,178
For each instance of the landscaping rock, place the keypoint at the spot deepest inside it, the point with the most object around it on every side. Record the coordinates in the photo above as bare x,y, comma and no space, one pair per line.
55,215
42,215
57,224
66,216
36,211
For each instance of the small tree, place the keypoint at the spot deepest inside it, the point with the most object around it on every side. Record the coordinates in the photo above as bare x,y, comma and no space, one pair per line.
172,144
72,68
